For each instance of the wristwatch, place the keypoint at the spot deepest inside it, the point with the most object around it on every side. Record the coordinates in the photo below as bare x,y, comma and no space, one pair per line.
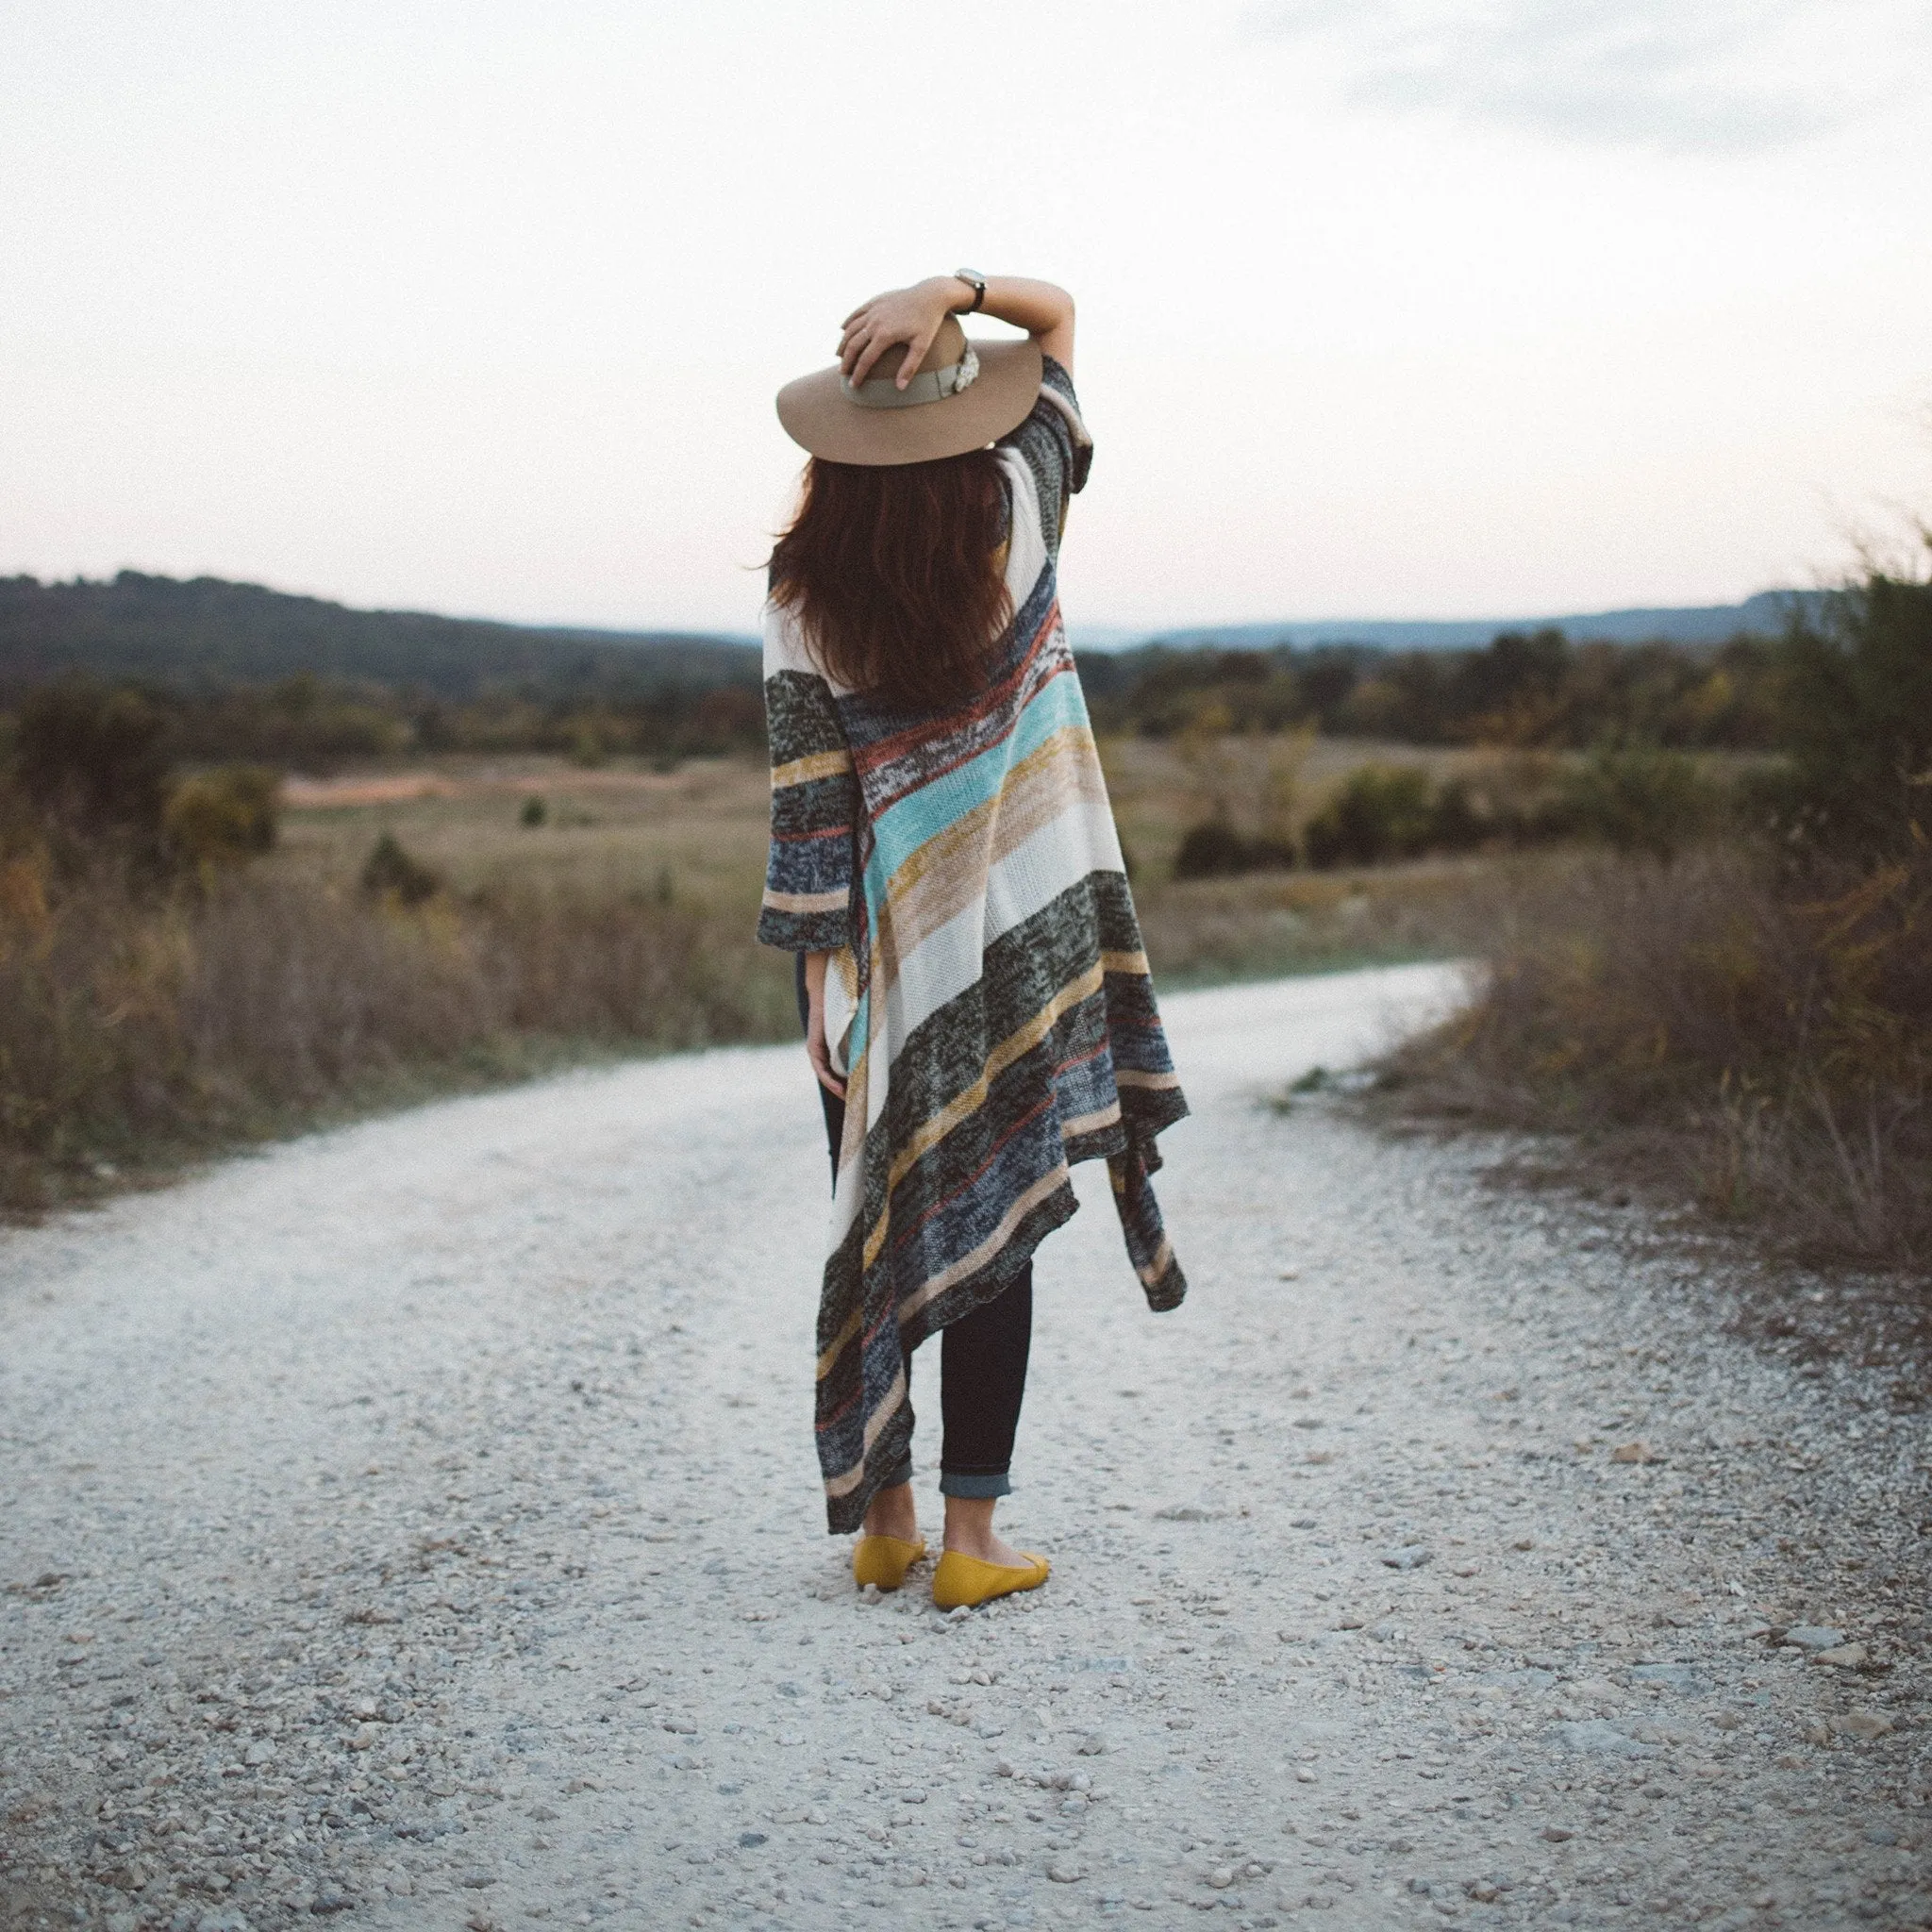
976,282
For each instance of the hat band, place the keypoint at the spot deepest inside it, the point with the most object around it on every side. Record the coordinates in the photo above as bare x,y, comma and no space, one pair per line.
929,386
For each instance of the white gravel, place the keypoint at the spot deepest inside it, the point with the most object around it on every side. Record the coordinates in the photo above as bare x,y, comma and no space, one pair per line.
419,1523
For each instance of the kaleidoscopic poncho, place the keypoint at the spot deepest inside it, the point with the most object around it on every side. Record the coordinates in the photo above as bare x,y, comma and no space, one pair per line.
989,997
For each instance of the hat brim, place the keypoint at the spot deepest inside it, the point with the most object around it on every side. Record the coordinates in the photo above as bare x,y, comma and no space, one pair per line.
819,416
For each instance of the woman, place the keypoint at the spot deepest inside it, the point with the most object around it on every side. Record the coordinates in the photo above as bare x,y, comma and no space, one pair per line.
944,864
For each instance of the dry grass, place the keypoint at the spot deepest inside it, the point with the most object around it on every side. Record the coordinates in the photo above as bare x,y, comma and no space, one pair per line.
138,1028
141,1027
1763,1041
1203,932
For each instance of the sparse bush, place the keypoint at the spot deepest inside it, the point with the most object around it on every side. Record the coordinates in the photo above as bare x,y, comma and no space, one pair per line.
1763,1039
136,1024
390,873
1634,798
223,817
534,813
1855,723
1380,812
1214,850
92,759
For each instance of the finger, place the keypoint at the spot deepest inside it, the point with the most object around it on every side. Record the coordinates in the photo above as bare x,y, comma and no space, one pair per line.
822,1067
851,349
915,354
874,350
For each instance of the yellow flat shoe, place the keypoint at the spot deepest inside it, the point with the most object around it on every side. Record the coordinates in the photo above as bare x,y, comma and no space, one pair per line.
884,1560
965,1580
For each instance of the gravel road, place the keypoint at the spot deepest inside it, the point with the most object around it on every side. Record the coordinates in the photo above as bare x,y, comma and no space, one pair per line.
418,1523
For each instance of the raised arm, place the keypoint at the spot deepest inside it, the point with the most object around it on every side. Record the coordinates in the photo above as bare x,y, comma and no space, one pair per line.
912,316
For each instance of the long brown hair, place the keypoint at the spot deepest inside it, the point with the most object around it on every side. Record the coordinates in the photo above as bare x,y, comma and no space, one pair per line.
897,576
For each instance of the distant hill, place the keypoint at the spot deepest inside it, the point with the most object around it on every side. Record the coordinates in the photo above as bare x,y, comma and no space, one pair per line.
205,634
1700,623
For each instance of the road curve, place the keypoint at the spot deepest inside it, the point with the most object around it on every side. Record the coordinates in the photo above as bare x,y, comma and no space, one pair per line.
417,1522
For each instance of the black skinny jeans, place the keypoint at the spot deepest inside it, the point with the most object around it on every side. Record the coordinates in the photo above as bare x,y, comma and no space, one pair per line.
982,1361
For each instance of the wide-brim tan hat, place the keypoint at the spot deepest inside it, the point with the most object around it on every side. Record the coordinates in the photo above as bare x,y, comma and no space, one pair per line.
965,396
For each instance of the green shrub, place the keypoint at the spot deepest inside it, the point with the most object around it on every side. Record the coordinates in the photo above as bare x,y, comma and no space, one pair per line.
390,873
223,817
1380,812
534,812
92,757
1459,819
1214,850
1855,723
1634,798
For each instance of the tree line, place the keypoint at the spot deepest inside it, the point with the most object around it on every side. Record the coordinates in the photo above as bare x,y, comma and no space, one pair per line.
1536,688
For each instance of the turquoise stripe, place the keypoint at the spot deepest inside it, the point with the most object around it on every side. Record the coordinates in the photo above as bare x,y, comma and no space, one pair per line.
924,814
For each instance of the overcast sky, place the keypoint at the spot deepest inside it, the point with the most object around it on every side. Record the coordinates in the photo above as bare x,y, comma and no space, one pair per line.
1394,308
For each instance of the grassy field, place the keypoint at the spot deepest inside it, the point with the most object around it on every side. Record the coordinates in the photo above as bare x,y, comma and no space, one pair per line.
696,837
142,1027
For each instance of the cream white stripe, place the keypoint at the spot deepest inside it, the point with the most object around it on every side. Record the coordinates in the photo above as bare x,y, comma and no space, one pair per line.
807,902
1026,558
1163,1258
847,1479
1034,874
1090,1123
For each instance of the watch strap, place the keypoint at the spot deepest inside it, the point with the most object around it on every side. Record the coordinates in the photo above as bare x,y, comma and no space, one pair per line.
976,282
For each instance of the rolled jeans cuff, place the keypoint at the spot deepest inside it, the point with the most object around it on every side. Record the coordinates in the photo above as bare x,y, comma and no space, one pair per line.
974,1483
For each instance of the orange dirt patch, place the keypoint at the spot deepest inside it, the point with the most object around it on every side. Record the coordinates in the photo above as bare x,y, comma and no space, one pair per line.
399,788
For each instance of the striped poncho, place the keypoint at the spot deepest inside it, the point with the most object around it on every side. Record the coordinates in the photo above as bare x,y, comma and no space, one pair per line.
989,997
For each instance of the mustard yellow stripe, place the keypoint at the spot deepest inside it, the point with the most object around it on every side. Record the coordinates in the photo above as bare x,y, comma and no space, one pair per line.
1129,1078
819,764
1125,962
875,1240
829,1355
935,1129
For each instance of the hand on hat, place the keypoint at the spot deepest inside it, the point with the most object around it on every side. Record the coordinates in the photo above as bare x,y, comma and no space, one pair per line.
911,316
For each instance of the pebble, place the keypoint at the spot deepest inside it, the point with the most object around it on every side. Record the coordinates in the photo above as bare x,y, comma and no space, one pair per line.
1686,1678
1863,1724
1598,1735
1812,1636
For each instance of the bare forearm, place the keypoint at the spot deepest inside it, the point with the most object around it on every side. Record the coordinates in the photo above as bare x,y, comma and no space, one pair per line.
1039,308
